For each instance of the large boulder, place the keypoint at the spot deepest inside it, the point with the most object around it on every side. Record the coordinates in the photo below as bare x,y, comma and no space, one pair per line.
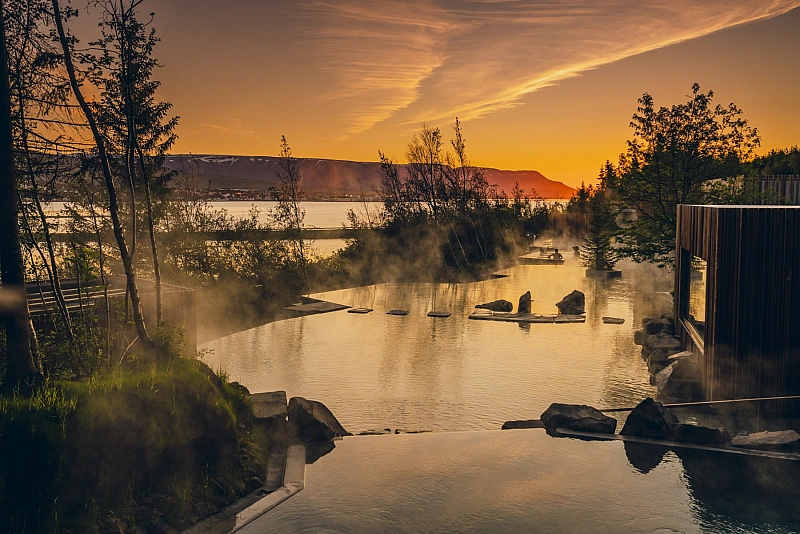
497,305
780,440
663,345
524,303
658,326
650,419
577,417
680,379
572,304
700,435
313,421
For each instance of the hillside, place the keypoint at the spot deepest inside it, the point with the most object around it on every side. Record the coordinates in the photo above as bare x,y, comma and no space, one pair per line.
334,177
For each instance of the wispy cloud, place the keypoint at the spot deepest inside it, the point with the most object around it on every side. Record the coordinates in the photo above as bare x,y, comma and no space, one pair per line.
409,62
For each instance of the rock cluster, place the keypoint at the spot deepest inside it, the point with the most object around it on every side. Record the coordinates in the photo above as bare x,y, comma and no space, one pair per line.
675,372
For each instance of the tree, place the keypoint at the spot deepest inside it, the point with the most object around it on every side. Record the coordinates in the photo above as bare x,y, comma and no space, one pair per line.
20,367
674,153
597,251
289,214
579,201
135,124
102,156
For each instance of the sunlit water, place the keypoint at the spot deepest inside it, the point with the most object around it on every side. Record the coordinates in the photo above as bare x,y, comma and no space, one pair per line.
420,373
525,481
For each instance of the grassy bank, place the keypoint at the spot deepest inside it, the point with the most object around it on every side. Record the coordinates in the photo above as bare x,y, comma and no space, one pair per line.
153,447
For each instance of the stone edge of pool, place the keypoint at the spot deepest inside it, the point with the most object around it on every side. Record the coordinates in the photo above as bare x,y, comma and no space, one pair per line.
251,507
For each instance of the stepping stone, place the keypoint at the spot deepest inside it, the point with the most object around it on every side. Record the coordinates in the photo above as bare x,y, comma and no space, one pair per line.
397,312
613,320
359,310
439,314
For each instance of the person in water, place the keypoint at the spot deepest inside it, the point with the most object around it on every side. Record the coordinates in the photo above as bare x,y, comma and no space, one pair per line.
556,255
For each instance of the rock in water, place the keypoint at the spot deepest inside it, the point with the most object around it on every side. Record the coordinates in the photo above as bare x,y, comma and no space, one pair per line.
650,419
497,306
573,304
700,435
781,440
577,417
524,303
313,421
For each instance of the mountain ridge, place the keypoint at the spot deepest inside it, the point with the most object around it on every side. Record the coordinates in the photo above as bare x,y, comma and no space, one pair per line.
332,177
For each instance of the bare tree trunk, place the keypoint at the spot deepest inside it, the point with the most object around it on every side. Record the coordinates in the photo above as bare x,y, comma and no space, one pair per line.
141,330
20,368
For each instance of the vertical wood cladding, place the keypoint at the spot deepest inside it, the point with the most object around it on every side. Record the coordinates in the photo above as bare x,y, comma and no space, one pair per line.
752,336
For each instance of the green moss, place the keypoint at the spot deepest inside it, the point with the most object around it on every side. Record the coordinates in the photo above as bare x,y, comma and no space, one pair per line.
151,445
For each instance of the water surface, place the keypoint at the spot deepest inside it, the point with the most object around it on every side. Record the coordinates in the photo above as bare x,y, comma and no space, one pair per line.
420,373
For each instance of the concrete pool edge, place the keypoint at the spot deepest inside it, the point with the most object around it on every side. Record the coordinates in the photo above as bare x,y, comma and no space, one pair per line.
234,517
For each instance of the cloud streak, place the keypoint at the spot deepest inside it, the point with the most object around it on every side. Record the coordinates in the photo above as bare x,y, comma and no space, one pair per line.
400,63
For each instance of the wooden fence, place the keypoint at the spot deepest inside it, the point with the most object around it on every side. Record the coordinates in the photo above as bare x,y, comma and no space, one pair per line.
787,185
178,308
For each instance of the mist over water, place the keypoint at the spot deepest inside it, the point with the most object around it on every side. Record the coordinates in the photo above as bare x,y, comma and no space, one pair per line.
445,374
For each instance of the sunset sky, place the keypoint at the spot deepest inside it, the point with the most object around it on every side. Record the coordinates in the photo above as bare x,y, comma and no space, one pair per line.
544,85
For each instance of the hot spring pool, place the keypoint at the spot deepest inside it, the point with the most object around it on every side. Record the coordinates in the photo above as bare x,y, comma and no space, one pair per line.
525,481
447,374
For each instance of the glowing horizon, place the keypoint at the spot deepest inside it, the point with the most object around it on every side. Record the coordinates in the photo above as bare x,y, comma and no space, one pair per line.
537,85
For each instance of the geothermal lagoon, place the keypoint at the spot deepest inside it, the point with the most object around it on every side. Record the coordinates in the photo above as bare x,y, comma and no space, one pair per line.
461,379
418,373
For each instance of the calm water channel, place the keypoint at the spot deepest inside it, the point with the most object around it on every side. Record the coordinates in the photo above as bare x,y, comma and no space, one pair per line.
420,373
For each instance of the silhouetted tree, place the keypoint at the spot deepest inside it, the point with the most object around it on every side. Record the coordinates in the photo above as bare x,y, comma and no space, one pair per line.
20,367
673,154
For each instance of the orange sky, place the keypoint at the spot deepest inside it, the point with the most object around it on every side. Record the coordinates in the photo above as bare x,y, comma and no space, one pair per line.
537,85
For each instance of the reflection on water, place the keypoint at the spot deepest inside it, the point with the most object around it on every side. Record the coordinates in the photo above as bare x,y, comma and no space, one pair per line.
526,481
420,373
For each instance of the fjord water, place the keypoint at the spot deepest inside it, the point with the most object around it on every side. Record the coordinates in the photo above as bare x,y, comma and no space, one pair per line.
415,372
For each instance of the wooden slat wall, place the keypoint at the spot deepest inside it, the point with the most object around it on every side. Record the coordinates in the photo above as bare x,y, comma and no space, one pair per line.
752,340
787,185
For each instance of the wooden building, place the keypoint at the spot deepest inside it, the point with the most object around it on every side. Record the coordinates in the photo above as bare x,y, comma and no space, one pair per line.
748,334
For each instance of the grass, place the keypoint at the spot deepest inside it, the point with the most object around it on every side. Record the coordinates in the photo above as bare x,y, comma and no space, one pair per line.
153,446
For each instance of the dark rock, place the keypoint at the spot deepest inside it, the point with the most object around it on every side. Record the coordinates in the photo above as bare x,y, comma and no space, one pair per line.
573,304
650,419
657,326
700,435
524,303
240,388
313,421
528,423
639,337
665,343
680,379
497,306
780,440
268,405
577,417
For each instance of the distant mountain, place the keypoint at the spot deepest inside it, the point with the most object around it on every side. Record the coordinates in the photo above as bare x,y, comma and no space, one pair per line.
334,177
